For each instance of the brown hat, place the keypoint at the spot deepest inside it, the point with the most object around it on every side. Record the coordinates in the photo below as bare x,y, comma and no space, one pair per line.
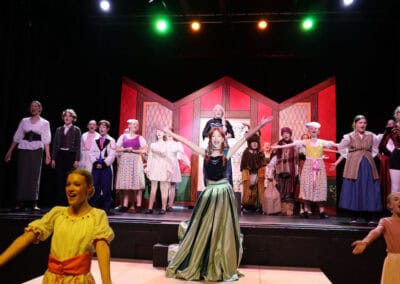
254,138
286,129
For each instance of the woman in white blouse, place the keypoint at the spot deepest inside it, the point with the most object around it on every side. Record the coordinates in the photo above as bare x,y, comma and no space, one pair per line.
31,137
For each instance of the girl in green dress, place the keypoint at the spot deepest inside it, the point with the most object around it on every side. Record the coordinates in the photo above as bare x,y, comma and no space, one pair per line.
211,247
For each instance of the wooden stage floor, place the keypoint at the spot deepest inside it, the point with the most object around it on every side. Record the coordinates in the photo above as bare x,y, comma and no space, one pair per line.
123,271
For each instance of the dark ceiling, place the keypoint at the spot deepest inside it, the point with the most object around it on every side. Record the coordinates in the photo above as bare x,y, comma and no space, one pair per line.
75,40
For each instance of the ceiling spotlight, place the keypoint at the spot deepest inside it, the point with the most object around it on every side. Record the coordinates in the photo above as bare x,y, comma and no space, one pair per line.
195,26
308,23
347,2
262,24
105,5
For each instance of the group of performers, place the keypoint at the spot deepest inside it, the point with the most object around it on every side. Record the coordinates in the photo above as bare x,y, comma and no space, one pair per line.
96,151
210,246
136,163
300,164
274,180
279,166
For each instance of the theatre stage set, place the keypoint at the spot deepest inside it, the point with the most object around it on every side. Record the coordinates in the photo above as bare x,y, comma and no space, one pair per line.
277,241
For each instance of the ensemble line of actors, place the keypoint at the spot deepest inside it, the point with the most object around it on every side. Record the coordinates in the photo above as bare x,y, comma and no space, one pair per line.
273,180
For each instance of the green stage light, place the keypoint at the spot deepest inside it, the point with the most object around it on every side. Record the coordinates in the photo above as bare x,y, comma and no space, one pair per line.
162,25
308,23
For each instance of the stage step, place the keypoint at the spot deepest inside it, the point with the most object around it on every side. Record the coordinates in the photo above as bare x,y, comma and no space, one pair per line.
160,255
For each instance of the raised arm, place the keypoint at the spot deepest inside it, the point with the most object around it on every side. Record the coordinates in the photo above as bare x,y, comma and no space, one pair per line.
330,150
17,246
185,141
336,163
251,132
361,245
284,145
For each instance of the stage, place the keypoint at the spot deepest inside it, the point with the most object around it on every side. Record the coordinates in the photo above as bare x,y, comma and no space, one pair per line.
123,271
276,241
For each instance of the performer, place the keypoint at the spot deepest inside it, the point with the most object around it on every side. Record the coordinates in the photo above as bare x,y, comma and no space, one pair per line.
252,167
102,156
395,155
285,162
77,232
175,152
32,136
385,148
211,248
302,159
130,180
389,227
159,169
219,121
66,151
360,189
271,200
313,179
86,143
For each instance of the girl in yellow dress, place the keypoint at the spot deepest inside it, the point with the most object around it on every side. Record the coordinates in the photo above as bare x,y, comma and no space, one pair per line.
313,179
78,231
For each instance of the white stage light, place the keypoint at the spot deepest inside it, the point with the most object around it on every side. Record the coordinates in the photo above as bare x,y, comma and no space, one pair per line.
105,5
347,2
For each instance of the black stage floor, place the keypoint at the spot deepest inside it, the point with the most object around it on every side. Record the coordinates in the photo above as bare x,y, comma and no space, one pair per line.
268,240
246,219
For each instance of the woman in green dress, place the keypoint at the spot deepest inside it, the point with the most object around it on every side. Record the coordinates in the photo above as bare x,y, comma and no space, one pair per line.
211,246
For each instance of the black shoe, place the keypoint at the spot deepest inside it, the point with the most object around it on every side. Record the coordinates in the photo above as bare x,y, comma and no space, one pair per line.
304,214
353,220
162,212
169,209
121,208
138,209
148,211
322,215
